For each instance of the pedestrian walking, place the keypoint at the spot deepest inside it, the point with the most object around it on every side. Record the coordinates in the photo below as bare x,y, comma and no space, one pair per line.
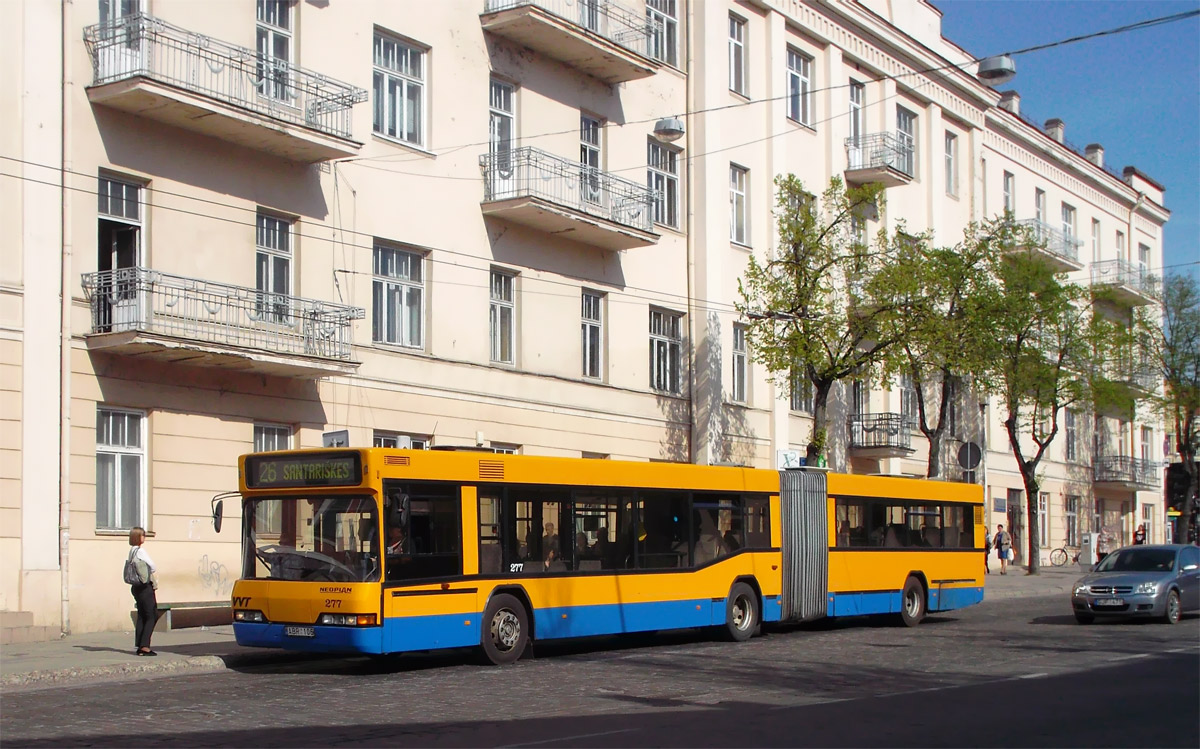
1139,536
1003,545
141,574
987,552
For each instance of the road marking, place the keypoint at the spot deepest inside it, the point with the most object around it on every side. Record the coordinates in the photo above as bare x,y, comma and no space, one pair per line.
1131,656
563,739
1034,676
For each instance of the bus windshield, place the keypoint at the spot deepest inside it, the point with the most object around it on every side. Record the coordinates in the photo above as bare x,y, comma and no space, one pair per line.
318,539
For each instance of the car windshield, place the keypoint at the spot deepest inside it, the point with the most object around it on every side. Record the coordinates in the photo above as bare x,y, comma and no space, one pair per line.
320,539
1138,560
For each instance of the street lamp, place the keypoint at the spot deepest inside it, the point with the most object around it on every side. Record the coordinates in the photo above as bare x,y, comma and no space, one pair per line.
669,129
997,70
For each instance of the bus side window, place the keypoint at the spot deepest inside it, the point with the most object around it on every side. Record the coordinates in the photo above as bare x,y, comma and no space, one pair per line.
489,534
758,523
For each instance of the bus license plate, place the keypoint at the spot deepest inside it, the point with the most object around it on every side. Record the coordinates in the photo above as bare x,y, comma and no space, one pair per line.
300,631
1110,602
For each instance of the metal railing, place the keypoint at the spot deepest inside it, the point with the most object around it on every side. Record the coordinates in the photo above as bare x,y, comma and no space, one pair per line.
140,299
880,150
141,45
880,430
1126,470
1056,241
530,172
601,17
1124,273
1141,374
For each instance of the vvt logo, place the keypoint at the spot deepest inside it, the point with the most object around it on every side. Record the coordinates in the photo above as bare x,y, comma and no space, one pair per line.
239,601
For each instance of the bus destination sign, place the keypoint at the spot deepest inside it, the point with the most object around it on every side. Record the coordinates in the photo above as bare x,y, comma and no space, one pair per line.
295,471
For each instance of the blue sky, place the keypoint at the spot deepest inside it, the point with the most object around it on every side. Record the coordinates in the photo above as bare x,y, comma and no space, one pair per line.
1137,93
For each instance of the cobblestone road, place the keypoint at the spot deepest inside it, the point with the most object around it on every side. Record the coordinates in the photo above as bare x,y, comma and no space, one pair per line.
1016,673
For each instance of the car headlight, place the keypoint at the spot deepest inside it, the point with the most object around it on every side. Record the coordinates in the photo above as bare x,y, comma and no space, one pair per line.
347,620
1146,589
243,615
1081,589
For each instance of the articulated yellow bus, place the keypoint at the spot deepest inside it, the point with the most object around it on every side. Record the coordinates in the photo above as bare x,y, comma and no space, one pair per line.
385,551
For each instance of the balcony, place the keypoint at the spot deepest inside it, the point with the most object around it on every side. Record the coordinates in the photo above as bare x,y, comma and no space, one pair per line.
1124,472
597,37
144,313
152,69
1128,283
559,196
886,158
1141,375
882,435
1058,249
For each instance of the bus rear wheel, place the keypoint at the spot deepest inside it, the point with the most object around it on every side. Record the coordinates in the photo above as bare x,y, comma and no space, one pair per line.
912,602
741,613
505,630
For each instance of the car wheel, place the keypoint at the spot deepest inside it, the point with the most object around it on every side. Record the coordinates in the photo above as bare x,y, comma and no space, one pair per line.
505,630
741,613
1084,618
912,602
1171,611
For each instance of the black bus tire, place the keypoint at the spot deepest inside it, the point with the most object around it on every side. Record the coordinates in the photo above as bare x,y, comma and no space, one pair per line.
741,613
912,602
505,628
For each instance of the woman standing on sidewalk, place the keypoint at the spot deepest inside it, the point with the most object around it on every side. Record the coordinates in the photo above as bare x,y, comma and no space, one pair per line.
141,574
1003,545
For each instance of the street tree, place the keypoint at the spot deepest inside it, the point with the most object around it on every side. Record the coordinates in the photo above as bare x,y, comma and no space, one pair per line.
945,345
1046,346
822,307
1172,340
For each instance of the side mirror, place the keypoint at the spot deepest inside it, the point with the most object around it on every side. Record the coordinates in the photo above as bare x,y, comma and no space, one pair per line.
1189,567
218,506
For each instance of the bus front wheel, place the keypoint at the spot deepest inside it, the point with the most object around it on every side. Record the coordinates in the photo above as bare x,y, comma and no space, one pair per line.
912,602
505,630
741,613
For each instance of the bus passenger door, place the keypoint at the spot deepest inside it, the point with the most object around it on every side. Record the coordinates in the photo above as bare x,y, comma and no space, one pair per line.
804,520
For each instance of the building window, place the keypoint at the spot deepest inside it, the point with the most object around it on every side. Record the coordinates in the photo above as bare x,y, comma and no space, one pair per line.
1043,519
951,164
799,81
1147,446
1039,205
505,449
119,245
906,136
909,407
1068,223
858,95
398,298
662,177
1148,522
274,36
1095,240
1071,430
665,348
739,230
1072,507
1143,258
273,267
1010,195
120,469
664,30
589,158
737,55
402,441
399,83
503,317
592,333
268,437
802,393
739,363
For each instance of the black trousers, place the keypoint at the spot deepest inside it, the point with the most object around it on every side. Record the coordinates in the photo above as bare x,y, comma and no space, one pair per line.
147,613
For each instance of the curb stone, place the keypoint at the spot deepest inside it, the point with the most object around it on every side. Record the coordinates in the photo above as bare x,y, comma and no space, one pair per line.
172,666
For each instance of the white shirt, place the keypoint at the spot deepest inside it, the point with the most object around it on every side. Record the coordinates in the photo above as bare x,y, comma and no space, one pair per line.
143,556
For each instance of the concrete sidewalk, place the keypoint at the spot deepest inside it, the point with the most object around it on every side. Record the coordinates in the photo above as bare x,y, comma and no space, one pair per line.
105,656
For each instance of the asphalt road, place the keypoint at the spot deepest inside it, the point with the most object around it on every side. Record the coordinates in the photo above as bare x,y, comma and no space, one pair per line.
1005,673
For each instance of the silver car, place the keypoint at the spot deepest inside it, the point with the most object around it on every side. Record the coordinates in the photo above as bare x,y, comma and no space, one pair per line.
1161,581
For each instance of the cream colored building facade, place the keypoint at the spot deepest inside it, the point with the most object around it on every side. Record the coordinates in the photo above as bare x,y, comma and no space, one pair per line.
453,224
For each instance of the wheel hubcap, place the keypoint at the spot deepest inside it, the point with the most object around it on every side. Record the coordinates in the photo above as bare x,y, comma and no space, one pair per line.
741,613
506,629
1173,608
912,604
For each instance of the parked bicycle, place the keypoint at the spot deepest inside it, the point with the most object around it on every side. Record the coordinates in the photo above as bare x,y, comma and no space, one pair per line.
1059,556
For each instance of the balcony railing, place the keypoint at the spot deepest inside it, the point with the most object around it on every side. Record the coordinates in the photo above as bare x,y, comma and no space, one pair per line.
1124,274
1122,469
140,45
884,430
881,151
604,18
531,173
148,301
1056,241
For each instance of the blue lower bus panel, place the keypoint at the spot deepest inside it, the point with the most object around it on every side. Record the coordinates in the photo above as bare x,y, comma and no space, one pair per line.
889,601
324,639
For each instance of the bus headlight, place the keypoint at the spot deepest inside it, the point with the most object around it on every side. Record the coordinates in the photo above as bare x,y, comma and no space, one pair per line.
347,620
243,615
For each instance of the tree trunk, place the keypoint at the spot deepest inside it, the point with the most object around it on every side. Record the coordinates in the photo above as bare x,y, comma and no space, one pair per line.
1189,531
1032,490
933,469
818,445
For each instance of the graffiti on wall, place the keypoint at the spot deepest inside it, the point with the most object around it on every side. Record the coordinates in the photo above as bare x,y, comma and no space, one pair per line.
215,576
